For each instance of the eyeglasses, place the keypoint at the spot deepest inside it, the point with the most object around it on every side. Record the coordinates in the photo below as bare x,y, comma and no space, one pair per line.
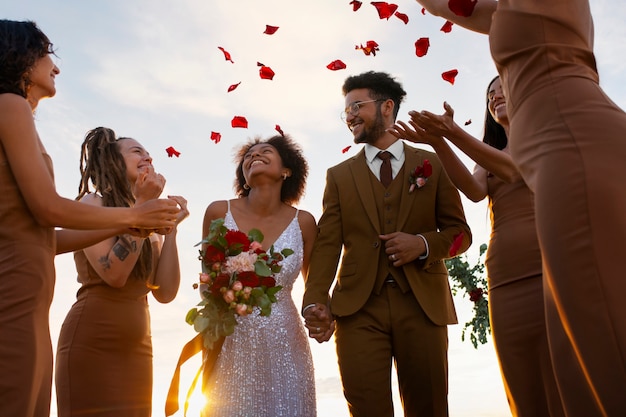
354,108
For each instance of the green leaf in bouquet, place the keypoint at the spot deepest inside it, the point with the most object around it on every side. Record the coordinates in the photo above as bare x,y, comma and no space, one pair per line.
261,269
276,268
255,235
286,252
271,292
201,323
191,316
256,292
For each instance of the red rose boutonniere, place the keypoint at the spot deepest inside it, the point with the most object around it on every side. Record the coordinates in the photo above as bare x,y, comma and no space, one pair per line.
420,175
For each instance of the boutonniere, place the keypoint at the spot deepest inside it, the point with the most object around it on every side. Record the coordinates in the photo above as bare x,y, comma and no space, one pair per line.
420,175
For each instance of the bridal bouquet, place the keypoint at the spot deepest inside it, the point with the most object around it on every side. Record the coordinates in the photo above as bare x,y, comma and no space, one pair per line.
237,279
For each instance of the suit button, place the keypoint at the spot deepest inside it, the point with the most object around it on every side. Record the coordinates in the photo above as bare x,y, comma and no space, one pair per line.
376,245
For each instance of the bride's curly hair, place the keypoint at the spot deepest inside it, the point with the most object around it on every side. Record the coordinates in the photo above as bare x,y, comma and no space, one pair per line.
102,165
292,158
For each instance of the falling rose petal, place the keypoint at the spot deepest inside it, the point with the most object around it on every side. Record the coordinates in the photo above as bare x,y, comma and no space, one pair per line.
356,5
239,121
232,87
463,8
172,152
279,130
421,46
258,64
456,244
424,11
385,10
270,30
468,122
336,65
266,73
447,27
226,54
450,76
346,149
402,17
216,137
370,48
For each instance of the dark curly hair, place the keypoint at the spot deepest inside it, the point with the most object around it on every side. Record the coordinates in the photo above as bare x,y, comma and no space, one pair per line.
292,159
21,45
380,85
102,164
494,134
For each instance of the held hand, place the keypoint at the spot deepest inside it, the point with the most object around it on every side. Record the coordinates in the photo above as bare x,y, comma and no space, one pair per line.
402,248
149,185
155,214
319,322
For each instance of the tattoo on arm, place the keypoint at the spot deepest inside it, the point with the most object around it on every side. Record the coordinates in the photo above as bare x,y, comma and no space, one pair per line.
124,246
120,251
105,262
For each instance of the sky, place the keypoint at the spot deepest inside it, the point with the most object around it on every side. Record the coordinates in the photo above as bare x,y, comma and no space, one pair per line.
152,70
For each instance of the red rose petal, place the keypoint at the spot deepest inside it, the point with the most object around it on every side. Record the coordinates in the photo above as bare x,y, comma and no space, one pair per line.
336,65
356,5
270,30
456,244
385,10
258,64
239,121
370,48
172,152
279,130
346,149
216,137
421,46
449,76
232,87
447,27
463,8
226,54
266,73
402,17
468,122
423,11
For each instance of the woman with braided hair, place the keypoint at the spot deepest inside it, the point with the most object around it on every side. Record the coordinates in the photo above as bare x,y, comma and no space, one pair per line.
30,208
104,356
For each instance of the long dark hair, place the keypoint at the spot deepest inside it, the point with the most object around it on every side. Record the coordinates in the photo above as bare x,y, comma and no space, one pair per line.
102,164
495,134
21,45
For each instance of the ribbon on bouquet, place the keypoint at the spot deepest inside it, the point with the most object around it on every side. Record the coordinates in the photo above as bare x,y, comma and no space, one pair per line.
209,357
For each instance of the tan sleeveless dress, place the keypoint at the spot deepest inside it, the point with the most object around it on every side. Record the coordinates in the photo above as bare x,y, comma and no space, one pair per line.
569,141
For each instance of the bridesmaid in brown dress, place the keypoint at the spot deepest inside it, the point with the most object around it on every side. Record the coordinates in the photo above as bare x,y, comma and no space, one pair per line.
567,137
30,208
513,256
104,356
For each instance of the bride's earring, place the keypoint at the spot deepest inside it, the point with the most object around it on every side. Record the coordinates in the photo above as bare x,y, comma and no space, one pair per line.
284,176
246,186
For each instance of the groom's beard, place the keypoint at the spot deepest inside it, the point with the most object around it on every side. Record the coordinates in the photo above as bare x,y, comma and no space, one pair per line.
371,133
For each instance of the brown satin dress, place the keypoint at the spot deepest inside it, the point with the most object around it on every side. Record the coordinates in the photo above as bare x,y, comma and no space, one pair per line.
26,287
569,140
104,355
516,302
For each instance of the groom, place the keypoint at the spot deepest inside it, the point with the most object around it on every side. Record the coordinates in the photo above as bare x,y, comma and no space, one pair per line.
392,300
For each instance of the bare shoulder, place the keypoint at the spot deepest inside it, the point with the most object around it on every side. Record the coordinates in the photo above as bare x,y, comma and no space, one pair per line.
216,209
307,222
92,199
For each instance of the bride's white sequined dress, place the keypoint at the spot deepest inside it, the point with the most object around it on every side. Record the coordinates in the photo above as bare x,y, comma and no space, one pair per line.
265,368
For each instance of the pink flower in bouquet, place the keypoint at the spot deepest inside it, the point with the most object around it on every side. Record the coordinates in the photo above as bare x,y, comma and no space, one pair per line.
419,176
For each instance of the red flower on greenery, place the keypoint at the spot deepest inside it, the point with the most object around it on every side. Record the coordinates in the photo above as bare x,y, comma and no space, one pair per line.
279,130
463,8
402,17
172,152
421,46
447,27
385,10
238,239
450,76
213,255
226,54
233,86
346,149
476,294
239,121
456,244
420,175
216,137
266,73
269,282
249,279
356,5
220,281
336,65
370,48
270,30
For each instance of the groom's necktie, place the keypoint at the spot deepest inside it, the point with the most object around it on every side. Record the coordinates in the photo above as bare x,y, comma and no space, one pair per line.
385,168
